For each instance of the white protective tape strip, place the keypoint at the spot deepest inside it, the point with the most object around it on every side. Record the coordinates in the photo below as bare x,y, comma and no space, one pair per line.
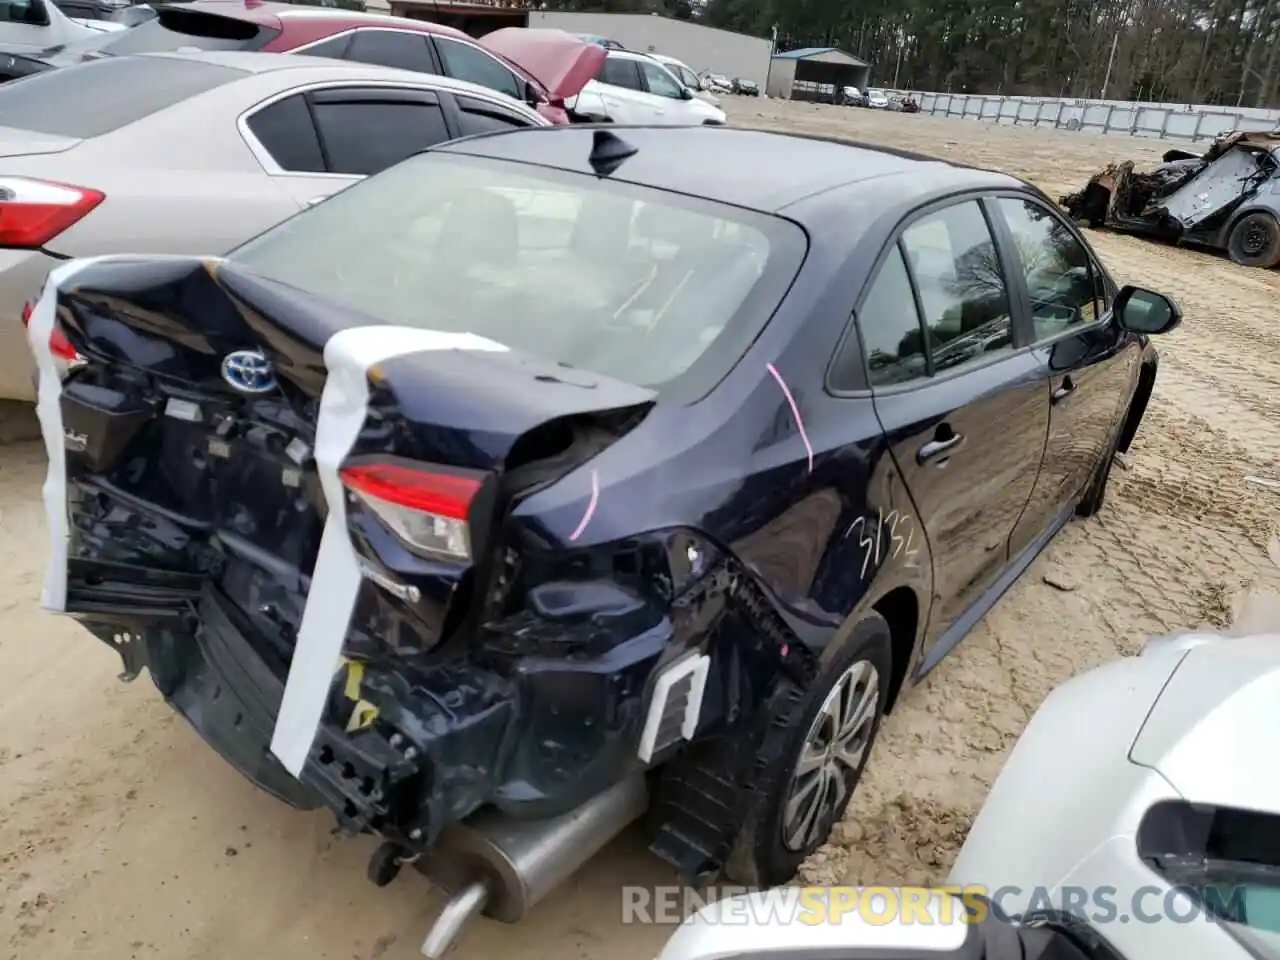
335,581
694,667
40,329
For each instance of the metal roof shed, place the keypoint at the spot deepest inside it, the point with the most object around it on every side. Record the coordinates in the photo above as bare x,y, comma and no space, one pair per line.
803,74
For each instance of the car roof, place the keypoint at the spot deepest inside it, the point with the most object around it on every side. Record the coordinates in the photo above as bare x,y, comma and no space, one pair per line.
632,55
705,161
305,69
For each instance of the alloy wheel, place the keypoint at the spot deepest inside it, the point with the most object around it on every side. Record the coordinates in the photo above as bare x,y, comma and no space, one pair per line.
832,754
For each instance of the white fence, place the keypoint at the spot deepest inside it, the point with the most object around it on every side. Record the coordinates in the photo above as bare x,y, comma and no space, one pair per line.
1161,121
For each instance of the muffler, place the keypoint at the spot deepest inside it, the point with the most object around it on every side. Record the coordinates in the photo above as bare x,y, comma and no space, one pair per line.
498,867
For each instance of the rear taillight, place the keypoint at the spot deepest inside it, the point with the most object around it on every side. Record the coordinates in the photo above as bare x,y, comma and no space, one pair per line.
33,212
59,345
425,507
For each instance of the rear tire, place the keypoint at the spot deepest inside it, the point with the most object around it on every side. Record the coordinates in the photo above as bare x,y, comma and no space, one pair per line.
822,748
1254,241
1096,492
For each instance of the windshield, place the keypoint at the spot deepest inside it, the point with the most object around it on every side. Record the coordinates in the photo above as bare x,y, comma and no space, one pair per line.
1225,857
634,283
686,76
1258,920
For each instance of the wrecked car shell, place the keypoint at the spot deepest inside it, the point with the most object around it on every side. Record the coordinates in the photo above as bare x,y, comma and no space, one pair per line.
1228,198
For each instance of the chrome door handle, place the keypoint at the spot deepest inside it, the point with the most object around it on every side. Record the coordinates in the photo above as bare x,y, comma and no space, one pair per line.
935,448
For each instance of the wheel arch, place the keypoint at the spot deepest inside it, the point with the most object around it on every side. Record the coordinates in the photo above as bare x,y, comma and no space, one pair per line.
1138,405
1256,206
900,608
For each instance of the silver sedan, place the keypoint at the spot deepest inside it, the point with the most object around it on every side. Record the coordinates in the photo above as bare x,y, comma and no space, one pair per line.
196,153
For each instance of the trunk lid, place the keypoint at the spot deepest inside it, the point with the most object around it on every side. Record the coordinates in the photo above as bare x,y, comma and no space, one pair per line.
561,62
27,143
190,428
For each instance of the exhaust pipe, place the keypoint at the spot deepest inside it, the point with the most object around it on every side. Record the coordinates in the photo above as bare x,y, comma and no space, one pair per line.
493,865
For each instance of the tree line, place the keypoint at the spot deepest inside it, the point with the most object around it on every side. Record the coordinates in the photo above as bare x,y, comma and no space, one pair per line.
1224,52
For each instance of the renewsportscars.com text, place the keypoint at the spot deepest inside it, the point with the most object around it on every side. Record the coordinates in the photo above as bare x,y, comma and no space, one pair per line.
921,905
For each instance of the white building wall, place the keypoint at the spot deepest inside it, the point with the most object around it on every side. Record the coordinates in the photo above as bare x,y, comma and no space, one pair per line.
701,47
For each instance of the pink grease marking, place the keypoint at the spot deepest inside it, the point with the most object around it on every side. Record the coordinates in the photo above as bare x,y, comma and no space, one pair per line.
591,507
785,649
795,411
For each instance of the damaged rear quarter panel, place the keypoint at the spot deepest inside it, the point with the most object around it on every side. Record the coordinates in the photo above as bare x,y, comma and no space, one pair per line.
819,543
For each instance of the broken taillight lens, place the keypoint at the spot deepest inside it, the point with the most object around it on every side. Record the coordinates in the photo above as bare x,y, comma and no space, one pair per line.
33,212
59,345
426,508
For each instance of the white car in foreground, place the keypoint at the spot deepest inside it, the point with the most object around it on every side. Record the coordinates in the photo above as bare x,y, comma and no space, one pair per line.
636,88
1137,818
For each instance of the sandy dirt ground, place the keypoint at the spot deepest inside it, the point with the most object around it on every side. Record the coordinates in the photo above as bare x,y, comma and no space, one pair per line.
123,836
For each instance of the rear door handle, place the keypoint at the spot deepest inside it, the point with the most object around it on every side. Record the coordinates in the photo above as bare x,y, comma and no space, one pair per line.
314,200
936,448
1065,390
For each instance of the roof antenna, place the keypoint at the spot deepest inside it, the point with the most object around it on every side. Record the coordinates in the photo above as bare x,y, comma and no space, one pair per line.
608,151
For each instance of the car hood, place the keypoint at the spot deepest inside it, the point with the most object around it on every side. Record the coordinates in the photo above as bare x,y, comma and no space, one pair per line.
561,62
1215,718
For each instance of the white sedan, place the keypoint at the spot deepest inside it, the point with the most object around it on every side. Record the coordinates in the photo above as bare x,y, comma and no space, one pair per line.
1137,818
877,100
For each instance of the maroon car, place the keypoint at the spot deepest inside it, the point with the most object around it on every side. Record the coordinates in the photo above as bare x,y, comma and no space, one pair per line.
544,69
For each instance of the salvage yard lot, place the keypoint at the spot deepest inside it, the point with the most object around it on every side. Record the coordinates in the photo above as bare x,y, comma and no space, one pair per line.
124,836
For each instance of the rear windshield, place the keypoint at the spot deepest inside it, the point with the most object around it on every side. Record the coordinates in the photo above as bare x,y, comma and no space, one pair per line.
645,286
90,99
188,28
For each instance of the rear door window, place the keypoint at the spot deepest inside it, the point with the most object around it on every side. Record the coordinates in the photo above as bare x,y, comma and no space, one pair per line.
286,131
965,301
92,99
481,117
620,72
174,28
465,62
391,48
363,134
23,11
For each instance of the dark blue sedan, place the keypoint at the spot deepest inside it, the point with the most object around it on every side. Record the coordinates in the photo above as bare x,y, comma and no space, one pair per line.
564,473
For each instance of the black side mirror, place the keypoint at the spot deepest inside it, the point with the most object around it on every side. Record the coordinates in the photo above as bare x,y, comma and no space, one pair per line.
686,93
1139,310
